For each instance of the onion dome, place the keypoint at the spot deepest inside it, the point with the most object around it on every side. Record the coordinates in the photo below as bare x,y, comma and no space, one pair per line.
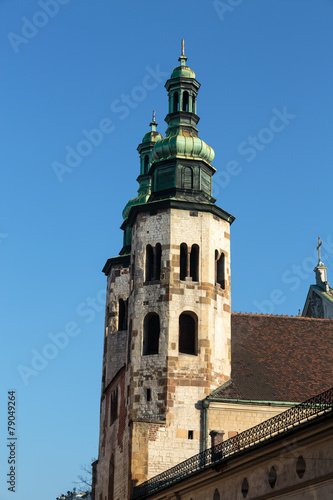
145,148
182,143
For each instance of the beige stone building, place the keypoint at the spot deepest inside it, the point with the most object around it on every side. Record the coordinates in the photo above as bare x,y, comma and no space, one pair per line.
180,372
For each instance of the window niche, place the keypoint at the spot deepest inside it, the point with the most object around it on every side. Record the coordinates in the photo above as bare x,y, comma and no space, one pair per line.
151,334
114,406
153,262
122,314
220,269
188,322
189,262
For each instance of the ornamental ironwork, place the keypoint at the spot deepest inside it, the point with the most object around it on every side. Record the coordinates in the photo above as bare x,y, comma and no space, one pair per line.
309,410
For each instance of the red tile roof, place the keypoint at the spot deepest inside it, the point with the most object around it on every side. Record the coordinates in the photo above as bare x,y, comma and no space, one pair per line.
278,358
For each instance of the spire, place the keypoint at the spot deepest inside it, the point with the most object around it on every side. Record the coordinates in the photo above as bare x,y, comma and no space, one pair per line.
183,58
153,123
320,270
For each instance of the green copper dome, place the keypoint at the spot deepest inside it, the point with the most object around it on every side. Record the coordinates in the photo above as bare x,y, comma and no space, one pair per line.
182,144
138,200
182,72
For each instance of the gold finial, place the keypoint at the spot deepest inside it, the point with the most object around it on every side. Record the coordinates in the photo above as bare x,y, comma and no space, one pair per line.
318,247
183,47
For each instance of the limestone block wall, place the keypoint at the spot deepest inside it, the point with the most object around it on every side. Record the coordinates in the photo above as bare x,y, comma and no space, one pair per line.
115,342
178,382
113,468
233,418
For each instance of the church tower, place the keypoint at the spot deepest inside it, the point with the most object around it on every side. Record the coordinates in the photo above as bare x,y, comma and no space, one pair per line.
167,326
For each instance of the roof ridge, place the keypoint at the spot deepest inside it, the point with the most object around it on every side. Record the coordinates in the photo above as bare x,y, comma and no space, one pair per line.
259,315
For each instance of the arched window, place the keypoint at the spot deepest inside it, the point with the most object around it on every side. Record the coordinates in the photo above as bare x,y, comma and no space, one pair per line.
175,102
220,269
158,255
194,263
149,263
129,342
121,315
151,334
194,105
185,101
111,478
187,178
114,406
183,261
188,333
216,495
146,164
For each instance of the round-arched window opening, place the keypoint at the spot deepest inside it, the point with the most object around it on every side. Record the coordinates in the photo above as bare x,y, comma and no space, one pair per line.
245,487
151,334
272,477
188,324
300,467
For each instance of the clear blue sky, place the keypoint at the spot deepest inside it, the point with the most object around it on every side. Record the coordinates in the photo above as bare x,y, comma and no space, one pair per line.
66,67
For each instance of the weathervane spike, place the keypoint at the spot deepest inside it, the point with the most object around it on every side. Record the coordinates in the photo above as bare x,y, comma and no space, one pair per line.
318,247
154,114
183,47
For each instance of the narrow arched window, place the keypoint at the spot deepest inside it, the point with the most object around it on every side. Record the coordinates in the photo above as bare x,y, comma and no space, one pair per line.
129,342
185,101
158,256
220,269
151,334
175,102
194,105
114,406
111,478
149,263
194,263
188,333
121,315
146,164
183,261
187,178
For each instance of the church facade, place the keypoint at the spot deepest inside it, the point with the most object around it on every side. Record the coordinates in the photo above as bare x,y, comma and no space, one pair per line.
180,372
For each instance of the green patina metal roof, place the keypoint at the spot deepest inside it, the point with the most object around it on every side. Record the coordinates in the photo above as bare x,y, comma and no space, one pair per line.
327,295
183,144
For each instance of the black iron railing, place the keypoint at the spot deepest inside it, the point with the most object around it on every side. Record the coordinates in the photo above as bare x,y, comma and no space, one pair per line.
297,415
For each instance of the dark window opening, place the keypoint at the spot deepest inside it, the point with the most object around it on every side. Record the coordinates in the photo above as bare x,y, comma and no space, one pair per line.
187,334
148,395
146,164
183,261
129,342
111,478
103,378
187,174
122,315
300,466
220,266
151,334
194,105
157,267
194,263
190,435
216,495
114,406
185,101
272,477
153,262
175,102
245,487
149,262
